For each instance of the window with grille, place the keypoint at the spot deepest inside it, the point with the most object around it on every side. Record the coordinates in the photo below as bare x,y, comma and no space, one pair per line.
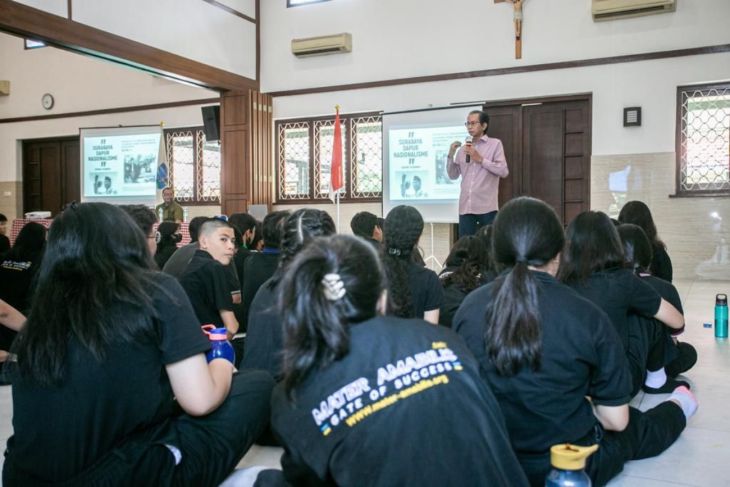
304,158
703,139
195,166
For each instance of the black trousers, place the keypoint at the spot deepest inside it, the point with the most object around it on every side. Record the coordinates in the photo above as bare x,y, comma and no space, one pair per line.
650,347
647,435
211,445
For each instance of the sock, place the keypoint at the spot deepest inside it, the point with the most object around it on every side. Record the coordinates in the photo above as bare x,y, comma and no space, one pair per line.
686,400
655,379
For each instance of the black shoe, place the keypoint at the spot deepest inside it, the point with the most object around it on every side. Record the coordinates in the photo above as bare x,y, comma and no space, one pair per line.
667,388
687,357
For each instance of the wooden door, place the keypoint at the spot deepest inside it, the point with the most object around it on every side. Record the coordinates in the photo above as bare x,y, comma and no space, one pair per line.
51,174
547,146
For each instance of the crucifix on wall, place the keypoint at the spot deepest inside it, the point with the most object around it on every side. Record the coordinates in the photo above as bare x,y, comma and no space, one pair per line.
517,16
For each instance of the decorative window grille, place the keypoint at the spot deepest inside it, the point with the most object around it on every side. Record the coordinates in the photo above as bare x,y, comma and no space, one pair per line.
195,166
703,135
304,151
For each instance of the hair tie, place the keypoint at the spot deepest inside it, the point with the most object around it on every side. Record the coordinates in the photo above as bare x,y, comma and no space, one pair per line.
521,260
333,287
394,251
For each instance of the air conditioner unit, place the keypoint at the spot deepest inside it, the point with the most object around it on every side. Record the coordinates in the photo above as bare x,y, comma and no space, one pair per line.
315,46
620,9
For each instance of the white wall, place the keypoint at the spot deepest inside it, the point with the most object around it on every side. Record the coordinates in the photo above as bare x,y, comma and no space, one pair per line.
404,38
193,29
78,83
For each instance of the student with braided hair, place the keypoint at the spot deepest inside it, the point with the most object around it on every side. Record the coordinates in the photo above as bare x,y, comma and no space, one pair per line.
361,390
415,292
263,338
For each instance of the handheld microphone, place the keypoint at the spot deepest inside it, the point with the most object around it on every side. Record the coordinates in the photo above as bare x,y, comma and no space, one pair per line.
468,141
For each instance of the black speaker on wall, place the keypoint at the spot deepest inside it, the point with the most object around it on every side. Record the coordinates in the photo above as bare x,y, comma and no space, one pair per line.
211,122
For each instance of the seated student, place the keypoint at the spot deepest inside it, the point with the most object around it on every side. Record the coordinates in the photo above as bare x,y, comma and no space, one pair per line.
553,359
4,240
264,338
244,224
167,239
179,260
485,234
593,264
103,364
261,266
638,213
338,411
673,358
17,272
464,271
145,220
368,226
11,320
415,292
206,280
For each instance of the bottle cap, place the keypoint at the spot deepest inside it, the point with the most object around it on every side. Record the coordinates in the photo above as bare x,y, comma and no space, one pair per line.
721,300
570,457
215,334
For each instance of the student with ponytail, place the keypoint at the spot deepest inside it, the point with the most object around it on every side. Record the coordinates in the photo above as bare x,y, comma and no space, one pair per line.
415,291
553,359
264,335
360,391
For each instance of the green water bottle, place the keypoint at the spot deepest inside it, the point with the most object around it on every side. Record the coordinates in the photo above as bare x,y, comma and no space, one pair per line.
721,316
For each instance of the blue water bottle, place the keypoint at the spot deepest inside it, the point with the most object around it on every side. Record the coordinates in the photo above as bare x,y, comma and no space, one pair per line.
721,316
569,462
220,347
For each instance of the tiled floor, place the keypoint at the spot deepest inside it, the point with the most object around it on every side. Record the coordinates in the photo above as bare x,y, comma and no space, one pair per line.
701,456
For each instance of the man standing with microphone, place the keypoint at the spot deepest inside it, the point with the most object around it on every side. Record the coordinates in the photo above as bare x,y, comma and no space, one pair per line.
480,163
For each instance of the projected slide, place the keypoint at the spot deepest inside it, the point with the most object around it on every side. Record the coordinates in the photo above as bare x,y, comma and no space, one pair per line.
417,159
120,164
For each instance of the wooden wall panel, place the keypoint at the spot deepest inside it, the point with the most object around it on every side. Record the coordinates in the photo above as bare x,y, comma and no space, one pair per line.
246,148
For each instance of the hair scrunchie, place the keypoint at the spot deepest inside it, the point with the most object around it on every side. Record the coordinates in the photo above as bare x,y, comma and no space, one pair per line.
333,287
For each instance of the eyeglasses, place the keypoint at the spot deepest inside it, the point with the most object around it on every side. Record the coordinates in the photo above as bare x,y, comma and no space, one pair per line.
469,124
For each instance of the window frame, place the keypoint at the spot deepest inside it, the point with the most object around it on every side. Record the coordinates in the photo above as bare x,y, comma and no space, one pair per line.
197,170
346,196
678,139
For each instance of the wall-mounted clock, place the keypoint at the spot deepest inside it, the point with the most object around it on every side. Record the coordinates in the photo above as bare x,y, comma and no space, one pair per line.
47,101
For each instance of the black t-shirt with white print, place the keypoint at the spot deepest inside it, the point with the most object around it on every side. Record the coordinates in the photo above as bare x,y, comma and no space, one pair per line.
406,406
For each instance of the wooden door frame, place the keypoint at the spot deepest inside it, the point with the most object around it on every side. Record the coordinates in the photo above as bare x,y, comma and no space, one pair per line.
62,169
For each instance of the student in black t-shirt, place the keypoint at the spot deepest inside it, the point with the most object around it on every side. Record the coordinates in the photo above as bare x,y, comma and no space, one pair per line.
415,292
368,226
638,213
167,238
105,364
676,357
261,266
464,270
371,400
145,220
264,337
4,240
206,279
179,260
593,264
553,359
17,272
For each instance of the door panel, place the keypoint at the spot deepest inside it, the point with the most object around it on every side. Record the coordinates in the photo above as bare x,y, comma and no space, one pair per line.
548,149
51,174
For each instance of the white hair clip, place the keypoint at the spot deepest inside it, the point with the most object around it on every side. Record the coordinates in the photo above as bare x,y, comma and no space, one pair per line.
334,288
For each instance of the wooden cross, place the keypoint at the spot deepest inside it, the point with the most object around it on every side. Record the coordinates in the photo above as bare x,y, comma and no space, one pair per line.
517,6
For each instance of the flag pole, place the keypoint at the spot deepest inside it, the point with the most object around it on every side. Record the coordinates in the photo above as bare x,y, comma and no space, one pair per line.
338,210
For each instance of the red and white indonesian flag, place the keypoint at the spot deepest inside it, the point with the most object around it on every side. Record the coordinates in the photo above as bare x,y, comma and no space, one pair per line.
336,176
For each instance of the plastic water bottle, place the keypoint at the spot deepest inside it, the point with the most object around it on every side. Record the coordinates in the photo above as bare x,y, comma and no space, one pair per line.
569,462
220,347
185,213
721,316
160,214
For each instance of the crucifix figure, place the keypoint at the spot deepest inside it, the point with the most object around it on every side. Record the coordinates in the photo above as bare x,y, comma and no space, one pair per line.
517,9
